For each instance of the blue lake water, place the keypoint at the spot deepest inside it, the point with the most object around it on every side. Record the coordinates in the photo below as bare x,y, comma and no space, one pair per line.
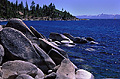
104,60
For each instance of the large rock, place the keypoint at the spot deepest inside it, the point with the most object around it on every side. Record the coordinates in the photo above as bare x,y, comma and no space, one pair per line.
51,76
19,47
21,26
66,70
47,46
11,69
45,57
59,37
40,74
24,76
1,53
83,74
69,36
36,33
56,56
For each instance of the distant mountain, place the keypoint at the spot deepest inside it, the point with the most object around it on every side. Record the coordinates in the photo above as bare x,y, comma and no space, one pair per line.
100,16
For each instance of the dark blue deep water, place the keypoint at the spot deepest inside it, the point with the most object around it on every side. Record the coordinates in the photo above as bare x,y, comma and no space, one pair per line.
104,60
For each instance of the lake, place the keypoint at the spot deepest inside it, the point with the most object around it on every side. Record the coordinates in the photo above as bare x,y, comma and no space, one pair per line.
103,61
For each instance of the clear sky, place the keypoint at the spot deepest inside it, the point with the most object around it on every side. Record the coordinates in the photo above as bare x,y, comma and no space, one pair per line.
82,7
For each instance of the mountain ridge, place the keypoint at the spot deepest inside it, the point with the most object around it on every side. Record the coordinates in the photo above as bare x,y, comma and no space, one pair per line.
100,16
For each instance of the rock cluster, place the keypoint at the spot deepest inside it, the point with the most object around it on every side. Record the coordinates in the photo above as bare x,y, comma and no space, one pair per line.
69,40
27,54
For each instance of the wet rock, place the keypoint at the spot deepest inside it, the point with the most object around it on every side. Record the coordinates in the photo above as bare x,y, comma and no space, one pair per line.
56,56
80,40
51,76
17,67
69,36
19,47
90,49
40,74
93,42
90,39
24,76
45,57
36,33
83,74
21,26
57,42
1,53
66,70
45,44
59,37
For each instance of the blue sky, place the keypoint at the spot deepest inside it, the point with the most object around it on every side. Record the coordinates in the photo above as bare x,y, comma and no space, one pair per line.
82,7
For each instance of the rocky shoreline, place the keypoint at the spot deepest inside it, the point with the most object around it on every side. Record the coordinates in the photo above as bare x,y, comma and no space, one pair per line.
27,54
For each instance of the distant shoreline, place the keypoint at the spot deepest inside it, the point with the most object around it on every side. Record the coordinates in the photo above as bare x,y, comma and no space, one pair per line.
46,19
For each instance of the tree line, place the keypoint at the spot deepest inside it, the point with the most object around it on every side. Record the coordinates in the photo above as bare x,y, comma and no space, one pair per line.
14,10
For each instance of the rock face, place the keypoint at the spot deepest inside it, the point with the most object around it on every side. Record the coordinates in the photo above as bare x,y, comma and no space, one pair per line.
24,76
45,57
83,74
19,47
66,70
21,26
56,56
1,53
45,44
17,67
36,33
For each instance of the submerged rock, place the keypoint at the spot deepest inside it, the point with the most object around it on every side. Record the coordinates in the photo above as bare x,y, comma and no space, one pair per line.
66,70
90,49
83,74
93,42
19,47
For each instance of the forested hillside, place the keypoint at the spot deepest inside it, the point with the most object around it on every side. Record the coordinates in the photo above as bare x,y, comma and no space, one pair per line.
14,10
